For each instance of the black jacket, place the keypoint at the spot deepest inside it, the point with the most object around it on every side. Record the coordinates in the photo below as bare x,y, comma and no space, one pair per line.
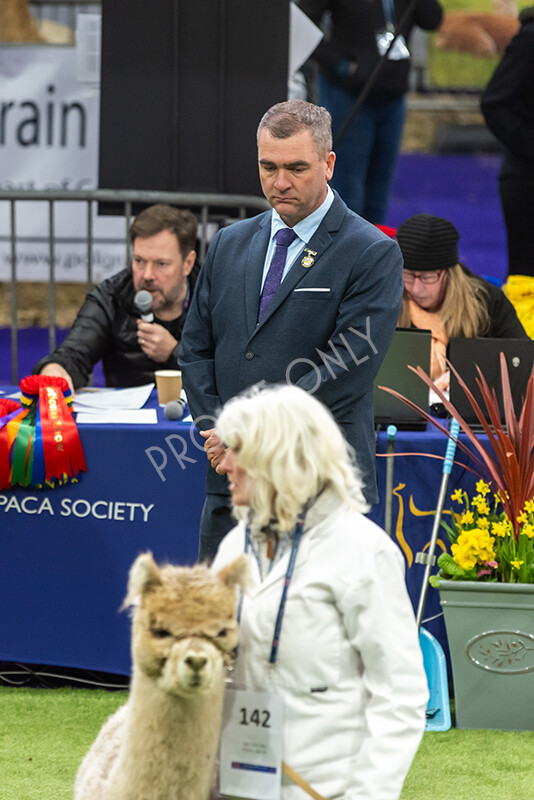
504,322
106,329
351,38
508,100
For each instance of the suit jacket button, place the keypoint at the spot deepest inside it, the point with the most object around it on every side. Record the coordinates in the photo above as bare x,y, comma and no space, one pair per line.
249,355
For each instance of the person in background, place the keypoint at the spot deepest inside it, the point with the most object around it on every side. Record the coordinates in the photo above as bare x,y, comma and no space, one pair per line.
508,108
346,660
307,293
108,326
357,35
444,296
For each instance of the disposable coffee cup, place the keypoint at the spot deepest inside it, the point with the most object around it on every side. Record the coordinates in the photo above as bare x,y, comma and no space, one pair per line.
168,384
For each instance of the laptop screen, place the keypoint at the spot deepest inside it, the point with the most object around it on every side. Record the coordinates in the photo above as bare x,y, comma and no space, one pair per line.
465,354
408,346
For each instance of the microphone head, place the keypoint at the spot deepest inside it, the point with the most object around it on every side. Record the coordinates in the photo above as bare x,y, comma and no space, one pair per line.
143,301
174,409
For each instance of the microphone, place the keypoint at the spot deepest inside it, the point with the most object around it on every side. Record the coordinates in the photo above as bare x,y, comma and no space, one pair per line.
143,303
174,410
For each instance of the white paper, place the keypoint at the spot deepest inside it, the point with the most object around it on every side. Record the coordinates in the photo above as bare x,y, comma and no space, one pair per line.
134,397
304,36
252,738
434,398
141,416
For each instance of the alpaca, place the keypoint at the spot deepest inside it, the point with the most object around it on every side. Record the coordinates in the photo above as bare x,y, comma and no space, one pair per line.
161,744
481,34
18,25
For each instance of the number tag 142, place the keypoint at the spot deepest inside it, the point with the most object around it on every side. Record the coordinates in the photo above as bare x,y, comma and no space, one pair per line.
251,745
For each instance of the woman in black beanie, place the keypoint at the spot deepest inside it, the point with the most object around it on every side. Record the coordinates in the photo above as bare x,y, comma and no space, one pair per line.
442,295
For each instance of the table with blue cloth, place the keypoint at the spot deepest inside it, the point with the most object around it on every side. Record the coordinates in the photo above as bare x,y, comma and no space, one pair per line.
66,552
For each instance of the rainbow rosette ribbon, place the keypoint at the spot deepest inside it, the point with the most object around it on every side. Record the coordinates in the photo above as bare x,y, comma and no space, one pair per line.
39,441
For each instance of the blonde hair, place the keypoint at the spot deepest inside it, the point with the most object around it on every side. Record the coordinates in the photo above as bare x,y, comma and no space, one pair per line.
291,448
463,312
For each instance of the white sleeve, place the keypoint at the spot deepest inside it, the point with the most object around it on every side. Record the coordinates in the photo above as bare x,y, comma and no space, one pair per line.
380,624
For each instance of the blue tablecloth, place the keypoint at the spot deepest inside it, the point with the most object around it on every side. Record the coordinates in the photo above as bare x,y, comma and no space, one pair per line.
416,486
65,553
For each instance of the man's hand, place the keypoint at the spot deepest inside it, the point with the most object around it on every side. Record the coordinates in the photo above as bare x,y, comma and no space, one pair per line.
214,449
155,341
57,371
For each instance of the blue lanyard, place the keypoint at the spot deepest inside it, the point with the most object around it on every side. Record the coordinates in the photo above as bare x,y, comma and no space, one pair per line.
289,574
389,11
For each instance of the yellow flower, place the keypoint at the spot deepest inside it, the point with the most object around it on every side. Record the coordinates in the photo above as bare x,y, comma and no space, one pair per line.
522,518
499,528
483,522
482,487
467,518
480,504
463,555
516,564
529,506
472,547
457,496
528,530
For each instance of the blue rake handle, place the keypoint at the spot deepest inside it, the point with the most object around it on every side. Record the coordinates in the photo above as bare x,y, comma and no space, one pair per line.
392,432
447,466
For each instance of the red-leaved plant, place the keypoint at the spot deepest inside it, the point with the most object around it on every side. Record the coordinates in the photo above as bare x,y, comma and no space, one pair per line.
510,465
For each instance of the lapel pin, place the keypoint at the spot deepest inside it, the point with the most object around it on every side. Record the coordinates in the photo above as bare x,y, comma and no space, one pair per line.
308,260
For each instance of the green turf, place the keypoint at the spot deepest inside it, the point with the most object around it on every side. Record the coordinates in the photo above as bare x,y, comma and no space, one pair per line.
44,734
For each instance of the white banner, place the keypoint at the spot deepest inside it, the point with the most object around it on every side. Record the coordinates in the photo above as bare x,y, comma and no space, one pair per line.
49,123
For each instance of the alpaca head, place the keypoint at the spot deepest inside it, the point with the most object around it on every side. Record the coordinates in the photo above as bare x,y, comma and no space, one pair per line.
184,623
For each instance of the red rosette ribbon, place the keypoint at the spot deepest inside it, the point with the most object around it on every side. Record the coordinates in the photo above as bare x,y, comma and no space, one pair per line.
32,385
44,445
9,409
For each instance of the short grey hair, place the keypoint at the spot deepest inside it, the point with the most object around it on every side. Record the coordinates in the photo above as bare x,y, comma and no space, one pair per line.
292,116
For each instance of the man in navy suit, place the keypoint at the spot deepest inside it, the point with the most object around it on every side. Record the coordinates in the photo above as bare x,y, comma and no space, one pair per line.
324,323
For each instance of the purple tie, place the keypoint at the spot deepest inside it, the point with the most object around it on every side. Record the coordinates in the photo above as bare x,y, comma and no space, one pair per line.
284,237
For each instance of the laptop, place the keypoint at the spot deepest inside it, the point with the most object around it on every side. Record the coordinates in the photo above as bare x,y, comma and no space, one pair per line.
464,354
408,346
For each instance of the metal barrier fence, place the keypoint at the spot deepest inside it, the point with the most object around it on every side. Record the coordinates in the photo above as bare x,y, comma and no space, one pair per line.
63,11
220,209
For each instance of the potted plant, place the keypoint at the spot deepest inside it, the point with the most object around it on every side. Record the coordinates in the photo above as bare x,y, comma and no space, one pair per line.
486,583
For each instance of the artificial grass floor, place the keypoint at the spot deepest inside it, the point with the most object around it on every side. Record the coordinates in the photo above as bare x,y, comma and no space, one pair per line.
44,734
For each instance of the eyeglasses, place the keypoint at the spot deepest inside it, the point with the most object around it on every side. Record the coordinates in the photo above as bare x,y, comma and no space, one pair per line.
424,277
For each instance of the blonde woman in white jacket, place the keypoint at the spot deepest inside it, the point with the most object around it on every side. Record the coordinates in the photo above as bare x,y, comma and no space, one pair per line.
347,663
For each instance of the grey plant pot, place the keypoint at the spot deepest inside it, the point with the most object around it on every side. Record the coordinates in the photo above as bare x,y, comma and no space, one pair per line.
490,628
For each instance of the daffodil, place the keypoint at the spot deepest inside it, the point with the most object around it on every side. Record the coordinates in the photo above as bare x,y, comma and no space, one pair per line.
480,504
499,529
485,542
